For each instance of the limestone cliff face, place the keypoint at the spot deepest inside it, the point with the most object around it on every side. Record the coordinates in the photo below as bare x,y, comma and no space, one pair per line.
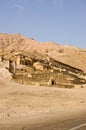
64,53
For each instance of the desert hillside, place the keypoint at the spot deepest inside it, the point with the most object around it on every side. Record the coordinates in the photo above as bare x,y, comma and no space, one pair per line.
64,53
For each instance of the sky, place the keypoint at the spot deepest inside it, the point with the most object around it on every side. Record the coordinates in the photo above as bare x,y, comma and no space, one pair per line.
59,21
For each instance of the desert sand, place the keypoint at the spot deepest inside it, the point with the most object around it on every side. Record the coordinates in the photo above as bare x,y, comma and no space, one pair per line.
33,103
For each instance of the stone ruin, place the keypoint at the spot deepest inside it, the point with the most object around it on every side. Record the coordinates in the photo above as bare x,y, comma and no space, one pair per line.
14,63
18,61
12,66
46,72
52,81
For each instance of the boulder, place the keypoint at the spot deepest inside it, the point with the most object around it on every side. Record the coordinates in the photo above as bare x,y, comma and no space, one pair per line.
38,66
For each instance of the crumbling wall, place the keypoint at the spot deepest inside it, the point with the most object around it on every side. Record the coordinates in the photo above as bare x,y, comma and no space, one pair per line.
18,61
12,66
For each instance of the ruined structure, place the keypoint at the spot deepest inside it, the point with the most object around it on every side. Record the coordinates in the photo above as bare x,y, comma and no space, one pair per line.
18,61
12,66
43,70
52,81
38,66
34,69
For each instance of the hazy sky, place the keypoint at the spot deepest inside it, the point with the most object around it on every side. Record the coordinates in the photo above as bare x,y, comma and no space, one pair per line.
60,21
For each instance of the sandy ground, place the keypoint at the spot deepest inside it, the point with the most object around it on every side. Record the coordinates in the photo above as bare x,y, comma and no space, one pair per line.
25,102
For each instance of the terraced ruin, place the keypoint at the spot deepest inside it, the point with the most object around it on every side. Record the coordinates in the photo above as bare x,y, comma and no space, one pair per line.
37,69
